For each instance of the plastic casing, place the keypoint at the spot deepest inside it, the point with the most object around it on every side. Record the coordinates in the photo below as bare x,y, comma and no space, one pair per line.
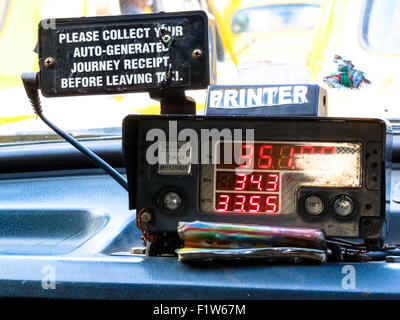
145,185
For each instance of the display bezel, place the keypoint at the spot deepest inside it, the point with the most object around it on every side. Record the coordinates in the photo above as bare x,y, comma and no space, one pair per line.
215,148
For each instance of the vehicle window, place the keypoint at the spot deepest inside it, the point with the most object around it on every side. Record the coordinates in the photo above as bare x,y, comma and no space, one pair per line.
3,12
171,6
275,17
381,26
258,42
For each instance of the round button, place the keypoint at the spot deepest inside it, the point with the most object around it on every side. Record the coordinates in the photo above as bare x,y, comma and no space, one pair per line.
343,206
172,201
313,205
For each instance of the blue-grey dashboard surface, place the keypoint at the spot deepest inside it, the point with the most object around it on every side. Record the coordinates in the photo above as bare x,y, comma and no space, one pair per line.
74,226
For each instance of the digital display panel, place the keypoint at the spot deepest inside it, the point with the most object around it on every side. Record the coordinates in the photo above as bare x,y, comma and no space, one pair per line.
276,156
262,177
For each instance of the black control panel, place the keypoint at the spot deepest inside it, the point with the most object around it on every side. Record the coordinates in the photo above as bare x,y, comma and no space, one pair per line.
324,173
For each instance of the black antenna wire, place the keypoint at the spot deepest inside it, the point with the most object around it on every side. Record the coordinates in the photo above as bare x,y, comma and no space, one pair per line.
31,85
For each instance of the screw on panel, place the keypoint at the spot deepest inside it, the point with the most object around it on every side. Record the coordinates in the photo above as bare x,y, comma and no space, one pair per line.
197,54
166,38
49,62
146,217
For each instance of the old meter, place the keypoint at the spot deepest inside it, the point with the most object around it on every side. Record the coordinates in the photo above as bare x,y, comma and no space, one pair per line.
323,173
118,54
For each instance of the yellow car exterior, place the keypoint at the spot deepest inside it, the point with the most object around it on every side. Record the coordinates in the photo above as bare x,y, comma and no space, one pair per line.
19,21
18,34
274,30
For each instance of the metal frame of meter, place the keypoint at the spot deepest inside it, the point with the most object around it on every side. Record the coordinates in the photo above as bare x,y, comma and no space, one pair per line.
268,187
355,208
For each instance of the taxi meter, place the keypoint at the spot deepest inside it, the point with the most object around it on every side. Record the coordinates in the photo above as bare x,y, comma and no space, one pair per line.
322,173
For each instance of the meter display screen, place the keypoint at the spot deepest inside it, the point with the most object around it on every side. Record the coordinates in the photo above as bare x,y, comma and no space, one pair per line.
264,176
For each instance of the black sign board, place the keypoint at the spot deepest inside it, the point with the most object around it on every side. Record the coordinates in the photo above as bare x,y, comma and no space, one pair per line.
130,53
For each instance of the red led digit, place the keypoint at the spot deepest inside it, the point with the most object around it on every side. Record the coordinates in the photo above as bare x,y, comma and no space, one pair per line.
271,204
240,183
256,181
307,150
331,150
248,156
265,160
286,158
223,203
239,205
255,204
273,182
290,162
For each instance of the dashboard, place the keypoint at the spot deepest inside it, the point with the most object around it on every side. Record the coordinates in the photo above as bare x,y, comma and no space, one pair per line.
67,218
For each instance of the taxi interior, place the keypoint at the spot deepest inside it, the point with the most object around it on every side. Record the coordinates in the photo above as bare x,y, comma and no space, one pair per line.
64,219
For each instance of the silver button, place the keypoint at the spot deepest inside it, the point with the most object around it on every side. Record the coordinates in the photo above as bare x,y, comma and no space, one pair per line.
343,206
172,201
314,205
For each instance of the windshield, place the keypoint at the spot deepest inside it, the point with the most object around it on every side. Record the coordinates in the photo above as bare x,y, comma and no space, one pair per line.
275,17
349,47
3,12
382,26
